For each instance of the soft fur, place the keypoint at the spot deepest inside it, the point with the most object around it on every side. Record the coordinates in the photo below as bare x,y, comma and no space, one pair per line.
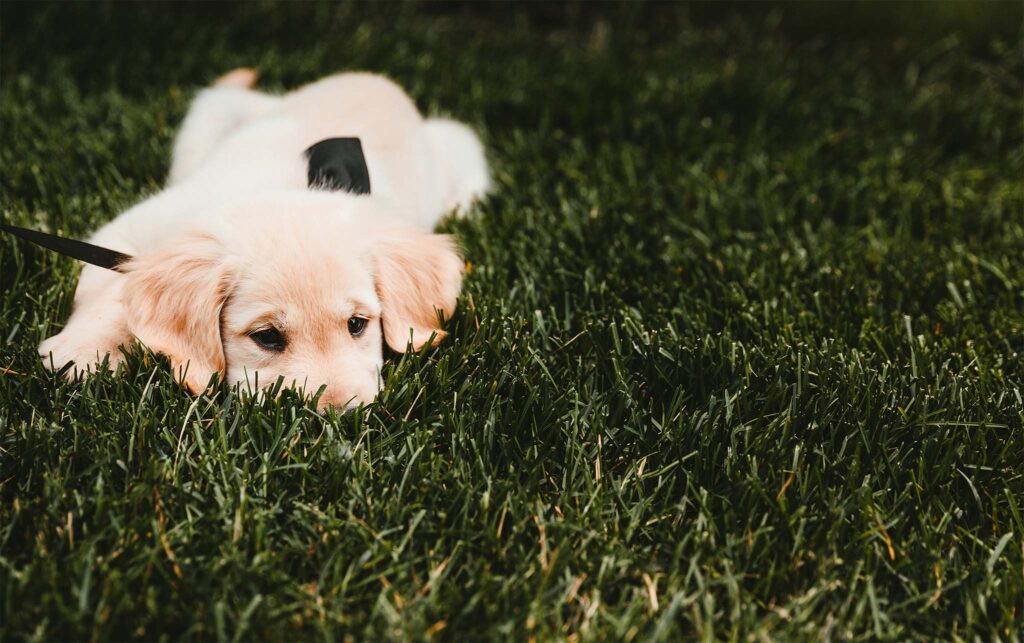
237,243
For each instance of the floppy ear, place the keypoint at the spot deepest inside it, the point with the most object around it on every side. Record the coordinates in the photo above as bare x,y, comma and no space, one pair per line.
173,300
418,275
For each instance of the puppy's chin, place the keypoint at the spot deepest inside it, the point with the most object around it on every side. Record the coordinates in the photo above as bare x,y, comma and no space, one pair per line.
345,401
262,387
324,405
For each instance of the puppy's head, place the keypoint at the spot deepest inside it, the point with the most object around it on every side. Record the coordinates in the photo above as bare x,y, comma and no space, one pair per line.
304,291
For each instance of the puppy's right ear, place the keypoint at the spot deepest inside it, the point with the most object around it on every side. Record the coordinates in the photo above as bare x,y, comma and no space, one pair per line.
173,299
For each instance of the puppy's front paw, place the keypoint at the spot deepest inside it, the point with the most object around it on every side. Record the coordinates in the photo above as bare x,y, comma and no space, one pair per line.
84,353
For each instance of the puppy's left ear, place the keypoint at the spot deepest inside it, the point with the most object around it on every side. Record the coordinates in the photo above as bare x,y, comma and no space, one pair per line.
173,299
418,278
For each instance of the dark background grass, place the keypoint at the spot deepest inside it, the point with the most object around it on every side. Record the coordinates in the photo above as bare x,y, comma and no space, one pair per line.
740,353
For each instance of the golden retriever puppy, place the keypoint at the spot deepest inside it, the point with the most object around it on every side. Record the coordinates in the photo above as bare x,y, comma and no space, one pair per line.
240,269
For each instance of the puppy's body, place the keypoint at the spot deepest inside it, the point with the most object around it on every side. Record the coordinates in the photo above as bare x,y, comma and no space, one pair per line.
236,141
238,238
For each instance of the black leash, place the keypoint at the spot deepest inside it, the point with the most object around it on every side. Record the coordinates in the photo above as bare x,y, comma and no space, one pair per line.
87,252
334,164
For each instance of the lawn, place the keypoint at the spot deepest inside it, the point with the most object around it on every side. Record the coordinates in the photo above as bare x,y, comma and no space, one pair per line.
740,354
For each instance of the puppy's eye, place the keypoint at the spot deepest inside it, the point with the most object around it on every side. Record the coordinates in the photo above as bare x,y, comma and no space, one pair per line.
269,338
356,325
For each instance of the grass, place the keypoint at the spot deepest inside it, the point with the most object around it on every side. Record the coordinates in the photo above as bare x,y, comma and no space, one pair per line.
741,354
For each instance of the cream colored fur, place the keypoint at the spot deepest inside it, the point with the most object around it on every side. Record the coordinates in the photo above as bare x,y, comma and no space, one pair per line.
237,242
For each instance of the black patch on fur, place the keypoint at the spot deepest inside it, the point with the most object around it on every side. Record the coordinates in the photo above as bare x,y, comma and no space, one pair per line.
338,164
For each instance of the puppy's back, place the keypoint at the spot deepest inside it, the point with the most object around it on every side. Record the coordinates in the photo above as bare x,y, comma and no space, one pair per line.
269,151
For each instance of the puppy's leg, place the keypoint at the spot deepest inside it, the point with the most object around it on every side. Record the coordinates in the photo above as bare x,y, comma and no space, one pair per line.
214,114
96,329
461,161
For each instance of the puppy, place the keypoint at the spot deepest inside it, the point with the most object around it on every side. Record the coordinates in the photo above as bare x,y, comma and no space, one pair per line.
241,270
